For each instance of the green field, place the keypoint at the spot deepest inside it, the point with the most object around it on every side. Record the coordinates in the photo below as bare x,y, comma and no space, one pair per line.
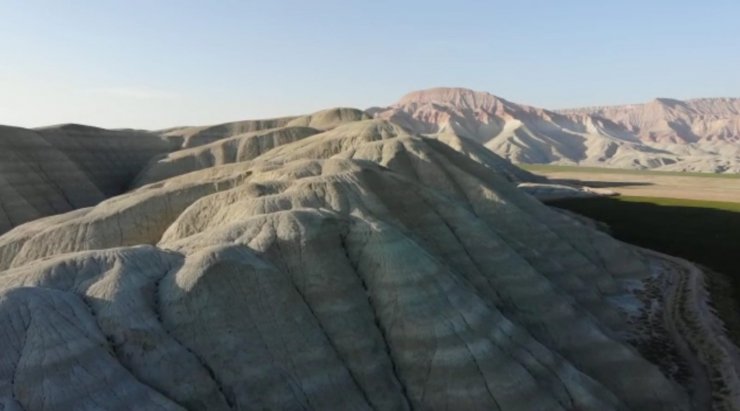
547,168
704,232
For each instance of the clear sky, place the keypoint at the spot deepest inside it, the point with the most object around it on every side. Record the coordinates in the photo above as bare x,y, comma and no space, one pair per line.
160,63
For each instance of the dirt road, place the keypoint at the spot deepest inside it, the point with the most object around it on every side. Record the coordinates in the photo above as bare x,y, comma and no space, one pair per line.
698,336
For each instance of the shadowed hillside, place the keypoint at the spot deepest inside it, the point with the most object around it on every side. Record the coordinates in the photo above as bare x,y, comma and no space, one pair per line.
705,232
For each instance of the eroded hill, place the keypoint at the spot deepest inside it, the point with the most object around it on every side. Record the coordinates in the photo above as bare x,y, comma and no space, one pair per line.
357,266
57,169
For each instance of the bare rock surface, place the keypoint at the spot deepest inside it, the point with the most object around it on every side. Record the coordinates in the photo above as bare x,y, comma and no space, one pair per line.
364,266
57,169
187,137
241,147
694,135
380,141
330,118
665,120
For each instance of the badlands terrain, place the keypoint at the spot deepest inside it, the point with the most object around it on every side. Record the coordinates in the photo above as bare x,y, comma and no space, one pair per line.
701,135
339,260
57,169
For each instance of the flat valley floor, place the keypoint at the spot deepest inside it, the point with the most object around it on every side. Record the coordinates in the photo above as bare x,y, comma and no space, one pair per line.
690,186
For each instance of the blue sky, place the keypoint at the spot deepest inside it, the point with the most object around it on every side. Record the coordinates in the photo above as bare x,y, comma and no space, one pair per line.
159,63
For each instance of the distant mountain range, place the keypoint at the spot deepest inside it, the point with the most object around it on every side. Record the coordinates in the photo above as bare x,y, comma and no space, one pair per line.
693,135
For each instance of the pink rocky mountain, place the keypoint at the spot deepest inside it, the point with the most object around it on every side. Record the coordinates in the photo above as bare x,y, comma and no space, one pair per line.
693,135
